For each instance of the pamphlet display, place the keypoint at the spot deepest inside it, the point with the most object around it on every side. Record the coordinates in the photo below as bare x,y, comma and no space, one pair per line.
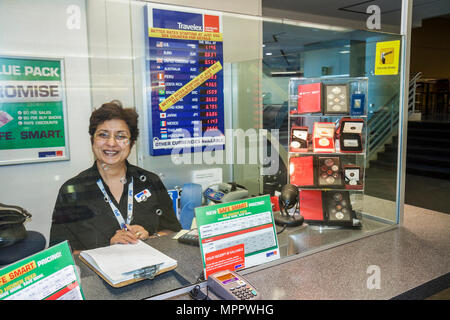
237,234
47,275
327,126
184,53
32,110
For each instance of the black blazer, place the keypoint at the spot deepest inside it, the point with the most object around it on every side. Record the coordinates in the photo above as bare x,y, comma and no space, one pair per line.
83,217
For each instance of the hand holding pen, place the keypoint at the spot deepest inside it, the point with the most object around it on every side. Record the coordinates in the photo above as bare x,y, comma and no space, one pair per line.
129,234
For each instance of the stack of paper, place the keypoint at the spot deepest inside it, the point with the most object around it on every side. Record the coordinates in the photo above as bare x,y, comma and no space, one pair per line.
118,263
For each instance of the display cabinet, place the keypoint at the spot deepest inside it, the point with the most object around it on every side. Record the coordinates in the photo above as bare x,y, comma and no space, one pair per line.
327,148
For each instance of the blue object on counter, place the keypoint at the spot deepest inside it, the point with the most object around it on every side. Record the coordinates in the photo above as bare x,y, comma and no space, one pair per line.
191,197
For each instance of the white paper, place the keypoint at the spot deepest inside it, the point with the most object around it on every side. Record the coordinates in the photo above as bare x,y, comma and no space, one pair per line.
118,262
207,177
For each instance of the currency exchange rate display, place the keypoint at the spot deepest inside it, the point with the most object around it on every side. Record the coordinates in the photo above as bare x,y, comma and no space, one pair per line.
185,81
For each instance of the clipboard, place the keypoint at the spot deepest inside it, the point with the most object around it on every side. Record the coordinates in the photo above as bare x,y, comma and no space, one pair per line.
144,274
97,259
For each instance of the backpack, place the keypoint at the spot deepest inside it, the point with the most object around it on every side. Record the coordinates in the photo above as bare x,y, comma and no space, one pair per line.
12,227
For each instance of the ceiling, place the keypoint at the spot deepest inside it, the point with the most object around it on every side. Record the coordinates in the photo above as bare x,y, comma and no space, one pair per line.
283,41
356,9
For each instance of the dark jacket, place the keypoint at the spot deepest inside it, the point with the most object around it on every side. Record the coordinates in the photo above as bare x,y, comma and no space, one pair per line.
83,217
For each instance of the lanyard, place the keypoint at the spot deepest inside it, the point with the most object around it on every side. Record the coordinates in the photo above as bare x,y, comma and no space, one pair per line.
114,208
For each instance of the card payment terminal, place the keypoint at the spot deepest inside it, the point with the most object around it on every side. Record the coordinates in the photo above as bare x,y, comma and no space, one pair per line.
225,192
229,285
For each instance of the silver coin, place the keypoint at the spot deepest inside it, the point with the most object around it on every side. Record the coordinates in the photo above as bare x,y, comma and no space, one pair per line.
339,215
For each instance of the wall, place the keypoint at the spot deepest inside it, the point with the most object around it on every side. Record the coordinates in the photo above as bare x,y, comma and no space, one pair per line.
430,49
40,30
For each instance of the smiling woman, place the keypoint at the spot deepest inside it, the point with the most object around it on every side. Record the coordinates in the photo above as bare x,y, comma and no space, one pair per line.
101,205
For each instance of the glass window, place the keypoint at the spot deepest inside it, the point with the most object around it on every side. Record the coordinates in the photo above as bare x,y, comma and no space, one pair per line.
115,50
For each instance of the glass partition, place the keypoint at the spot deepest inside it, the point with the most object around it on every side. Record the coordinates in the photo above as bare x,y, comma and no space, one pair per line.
106,54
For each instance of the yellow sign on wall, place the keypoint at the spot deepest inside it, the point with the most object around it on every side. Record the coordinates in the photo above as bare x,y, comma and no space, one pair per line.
387,57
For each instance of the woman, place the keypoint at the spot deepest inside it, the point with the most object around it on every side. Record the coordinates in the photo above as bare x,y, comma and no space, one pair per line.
113,201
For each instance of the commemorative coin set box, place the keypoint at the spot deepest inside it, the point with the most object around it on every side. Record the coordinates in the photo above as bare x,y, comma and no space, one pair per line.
328,137
330,99
329,172
331,208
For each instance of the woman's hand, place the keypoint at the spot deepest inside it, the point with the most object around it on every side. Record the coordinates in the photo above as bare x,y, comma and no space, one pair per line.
123,236
138,231
131,234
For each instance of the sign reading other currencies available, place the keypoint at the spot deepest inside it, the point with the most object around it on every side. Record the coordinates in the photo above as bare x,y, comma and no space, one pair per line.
237,235
32,110
47,275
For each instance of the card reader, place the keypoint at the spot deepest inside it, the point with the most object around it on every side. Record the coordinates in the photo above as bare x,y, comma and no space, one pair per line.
225,192
229,285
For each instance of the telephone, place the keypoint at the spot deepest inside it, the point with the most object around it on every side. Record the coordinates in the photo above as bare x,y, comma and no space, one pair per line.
225,192
229,285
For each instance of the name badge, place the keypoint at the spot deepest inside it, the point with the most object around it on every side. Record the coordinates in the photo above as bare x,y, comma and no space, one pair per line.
143,195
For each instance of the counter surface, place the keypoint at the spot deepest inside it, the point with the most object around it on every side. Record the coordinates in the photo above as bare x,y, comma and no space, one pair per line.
406,257
403,258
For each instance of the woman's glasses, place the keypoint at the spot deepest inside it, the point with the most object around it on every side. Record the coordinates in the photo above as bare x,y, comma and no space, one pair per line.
120,137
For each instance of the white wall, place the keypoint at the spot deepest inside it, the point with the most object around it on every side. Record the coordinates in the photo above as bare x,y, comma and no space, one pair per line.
38,28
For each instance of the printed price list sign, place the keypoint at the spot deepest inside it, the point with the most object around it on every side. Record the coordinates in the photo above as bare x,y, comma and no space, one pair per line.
47,275
247,224
184,60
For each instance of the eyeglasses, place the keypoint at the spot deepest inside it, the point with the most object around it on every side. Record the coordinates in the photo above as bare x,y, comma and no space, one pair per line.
120,137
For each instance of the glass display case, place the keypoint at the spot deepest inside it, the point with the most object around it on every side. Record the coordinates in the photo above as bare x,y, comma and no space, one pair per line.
327,148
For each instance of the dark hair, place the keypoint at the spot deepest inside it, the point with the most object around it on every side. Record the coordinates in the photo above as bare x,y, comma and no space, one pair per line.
113,110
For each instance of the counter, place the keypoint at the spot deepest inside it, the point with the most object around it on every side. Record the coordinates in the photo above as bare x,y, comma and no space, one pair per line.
405,257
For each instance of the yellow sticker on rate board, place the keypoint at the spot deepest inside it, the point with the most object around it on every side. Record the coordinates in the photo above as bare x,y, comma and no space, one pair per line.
387,57
191,85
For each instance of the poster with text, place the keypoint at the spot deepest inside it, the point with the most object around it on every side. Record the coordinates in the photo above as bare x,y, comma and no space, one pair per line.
237,235
184,53
47,275
32,110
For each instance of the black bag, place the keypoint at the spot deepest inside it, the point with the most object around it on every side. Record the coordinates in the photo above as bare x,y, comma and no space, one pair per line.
12,227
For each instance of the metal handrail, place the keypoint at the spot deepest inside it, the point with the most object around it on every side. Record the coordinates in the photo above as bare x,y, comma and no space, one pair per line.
383,123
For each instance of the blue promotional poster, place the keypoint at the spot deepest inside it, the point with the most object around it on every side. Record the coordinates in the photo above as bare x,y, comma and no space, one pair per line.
184,52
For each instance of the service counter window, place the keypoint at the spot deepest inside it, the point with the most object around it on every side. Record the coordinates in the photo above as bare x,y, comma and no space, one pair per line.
122,117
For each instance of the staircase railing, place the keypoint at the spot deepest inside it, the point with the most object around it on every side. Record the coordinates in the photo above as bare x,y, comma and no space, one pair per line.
383,123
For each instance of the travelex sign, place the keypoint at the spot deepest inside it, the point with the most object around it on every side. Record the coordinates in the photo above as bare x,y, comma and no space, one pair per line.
188,21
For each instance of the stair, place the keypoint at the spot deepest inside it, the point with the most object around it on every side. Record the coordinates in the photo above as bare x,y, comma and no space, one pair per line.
428,150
